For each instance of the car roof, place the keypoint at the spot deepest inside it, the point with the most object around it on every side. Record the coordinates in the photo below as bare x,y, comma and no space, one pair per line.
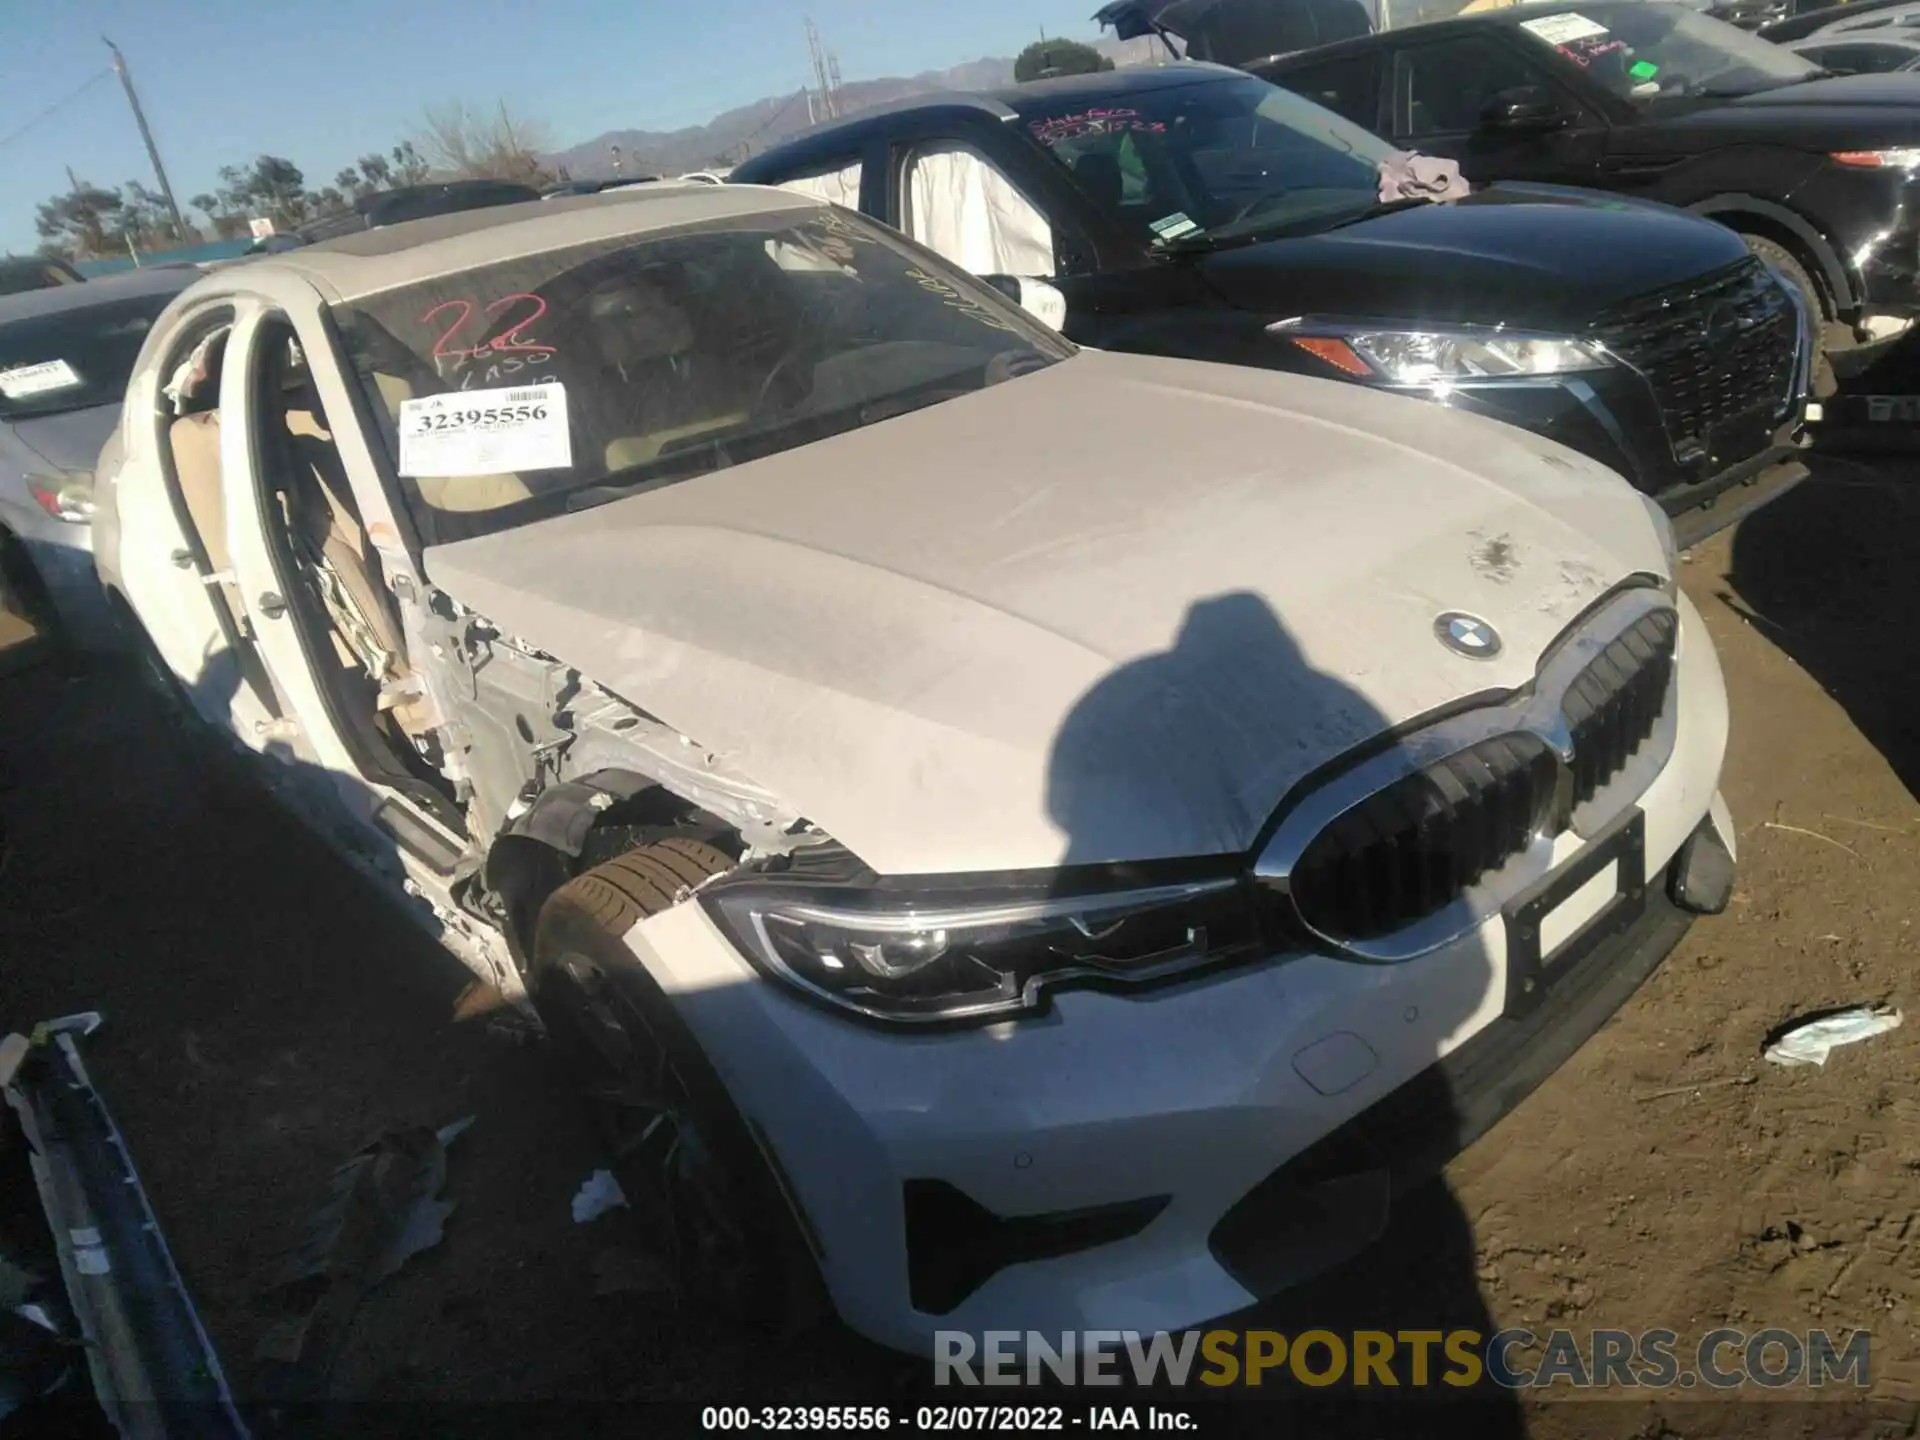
366,262
149,280
1004,103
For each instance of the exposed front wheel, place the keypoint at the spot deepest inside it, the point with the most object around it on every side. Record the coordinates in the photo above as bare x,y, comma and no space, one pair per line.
707,1203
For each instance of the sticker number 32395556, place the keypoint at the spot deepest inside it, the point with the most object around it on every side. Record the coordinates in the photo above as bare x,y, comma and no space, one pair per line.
486,432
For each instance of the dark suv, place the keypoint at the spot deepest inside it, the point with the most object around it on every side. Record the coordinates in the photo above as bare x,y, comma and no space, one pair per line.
1195,211
1661,102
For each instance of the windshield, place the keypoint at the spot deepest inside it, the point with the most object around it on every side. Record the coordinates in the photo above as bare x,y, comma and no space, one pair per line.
1214,160
563,380
1647,53
73,359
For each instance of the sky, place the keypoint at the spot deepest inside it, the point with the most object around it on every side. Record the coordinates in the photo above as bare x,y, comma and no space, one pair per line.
323,82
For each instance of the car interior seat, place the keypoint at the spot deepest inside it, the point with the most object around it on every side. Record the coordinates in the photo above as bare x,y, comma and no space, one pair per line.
1098,173
322,512
663,386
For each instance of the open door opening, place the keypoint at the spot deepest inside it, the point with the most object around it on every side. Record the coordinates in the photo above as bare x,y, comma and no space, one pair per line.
336,593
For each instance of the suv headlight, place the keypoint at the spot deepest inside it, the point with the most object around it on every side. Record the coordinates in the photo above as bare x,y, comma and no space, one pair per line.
922,957
66,495
1421,357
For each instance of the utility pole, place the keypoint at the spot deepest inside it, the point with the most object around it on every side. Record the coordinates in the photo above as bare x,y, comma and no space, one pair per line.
826,74
153,152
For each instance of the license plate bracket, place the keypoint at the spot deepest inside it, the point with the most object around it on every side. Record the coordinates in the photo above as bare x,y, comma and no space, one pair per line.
1529,973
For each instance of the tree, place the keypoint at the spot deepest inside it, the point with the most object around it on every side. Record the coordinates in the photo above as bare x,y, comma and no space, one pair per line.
408,166
147,220
85,222
375,171
1046,58
473,146
225,220
279,187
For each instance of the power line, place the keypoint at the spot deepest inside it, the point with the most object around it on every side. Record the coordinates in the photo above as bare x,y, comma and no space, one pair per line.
66,99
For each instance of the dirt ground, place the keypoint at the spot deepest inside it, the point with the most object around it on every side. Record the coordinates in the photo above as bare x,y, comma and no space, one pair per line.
267,1015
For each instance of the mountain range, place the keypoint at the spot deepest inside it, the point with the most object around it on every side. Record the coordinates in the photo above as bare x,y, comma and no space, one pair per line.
729,138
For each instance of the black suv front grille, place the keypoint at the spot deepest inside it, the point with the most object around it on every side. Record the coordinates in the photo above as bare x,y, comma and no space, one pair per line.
1614,705
1411,849
1719,352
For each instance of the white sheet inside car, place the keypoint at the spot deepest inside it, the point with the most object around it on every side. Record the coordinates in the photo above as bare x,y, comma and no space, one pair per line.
964,209
842,187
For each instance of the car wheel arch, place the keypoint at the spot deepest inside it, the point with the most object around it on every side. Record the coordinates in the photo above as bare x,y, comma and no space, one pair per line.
541,850
1766,220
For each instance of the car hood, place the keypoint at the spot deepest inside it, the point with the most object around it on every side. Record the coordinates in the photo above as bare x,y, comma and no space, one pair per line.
1814,116
1535,256
1113,610
69,441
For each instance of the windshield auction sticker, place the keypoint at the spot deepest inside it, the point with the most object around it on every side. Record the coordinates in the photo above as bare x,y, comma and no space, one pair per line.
24,381
485,432
1563,29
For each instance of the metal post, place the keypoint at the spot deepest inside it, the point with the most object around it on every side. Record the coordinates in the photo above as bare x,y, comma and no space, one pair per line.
153,152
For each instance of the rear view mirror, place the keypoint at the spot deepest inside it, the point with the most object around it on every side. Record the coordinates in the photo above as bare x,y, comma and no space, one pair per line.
1039,299
1525,107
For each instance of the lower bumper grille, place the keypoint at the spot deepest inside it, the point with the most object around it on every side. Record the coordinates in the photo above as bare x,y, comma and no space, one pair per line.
1719,353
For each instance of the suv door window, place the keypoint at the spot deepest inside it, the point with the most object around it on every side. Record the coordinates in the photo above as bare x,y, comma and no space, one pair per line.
839,185
1350,87
959,205
1445,87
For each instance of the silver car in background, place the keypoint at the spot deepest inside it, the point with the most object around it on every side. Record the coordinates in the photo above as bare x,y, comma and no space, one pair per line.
65,354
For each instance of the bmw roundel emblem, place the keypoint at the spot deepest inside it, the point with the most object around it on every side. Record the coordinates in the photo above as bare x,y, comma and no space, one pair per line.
1467,635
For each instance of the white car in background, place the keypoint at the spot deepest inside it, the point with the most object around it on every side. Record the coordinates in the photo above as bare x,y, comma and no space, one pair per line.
65,354
1026,838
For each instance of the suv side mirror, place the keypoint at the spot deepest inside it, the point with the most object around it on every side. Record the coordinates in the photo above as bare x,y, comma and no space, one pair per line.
1525,107
1039,299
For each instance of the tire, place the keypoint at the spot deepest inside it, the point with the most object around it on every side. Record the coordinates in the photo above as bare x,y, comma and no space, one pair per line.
1784,260
685,1158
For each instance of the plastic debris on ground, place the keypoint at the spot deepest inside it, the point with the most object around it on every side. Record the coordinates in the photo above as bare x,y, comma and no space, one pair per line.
1810,1041
599,1194
95,1320
383,1207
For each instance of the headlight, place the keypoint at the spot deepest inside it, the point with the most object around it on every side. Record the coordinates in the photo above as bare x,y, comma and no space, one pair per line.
67,495
1419,357
1901,157
943,956
1669,547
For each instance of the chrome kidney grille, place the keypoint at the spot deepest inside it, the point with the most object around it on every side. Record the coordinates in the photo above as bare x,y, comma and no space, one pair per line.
1405,851
1615,702
1416,846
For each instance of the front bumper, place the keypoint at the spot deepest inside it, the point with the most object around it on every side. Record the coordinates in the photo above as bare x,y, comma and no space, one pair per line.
1106,1143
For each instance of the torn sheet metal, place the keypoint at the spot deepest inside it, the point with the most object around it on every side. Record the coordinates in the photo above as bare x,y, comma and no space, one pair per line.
153,1368
382,1207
